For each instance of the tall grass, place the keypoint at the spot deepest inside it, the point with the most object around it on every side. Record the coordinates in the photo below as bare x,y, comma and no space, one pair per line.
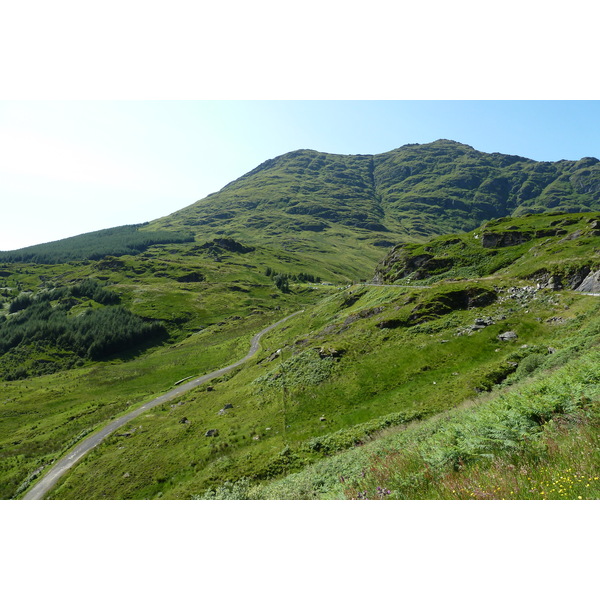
541,441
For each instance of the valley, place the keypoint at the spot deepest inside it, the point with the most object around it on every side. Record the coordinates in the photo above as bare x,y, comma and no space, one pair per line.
448,337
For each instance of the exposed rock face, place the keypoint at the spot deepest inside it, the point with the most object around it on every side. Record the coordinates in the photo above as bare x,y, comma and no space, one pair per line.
404,264
591,284
570,280
573,236
576,278
513,237
504,238
554,283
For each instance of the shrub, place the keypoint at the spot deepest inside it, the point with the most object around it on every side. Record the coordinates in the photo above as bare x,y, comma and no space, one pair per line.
302,370
529,364
21,302
236,490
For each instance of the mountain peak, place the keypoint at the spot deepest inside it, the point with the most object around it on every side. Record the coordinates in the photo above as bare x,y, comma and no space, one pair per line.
407,194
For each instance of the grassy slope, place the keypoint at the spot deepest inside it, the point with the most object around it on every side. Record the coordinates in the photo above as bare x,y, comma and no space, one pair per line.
210,323
554,244
332,216
537,440
365,359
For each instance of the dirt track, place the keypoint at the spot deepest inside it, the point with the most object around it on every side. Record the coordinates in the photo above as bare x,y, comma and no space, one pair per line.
48,481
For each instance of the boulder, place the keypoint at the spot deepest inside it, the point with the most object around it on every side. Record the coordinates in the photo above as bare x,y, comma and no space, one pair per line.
591,284
212,433
482,323
330,352
507,336
554,283
485,321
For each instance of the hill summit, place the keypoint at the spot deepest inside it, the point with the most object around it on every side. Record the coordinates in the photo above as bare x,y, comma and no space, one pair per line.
342,213
409,193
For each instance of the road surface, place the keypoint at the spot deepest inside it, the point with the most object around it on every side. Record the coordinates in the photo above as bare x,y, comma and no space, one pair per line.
49,480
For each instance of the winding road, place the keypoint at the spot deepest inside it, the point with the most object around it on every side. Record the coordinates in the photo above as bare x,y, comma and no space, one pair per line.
49,480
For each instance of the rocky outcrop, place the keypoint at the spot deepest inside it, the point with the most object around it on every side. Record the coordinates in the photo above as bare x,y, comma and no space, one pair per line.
554,283
591,284
329,352
444,302
400,263
513,237
501,239
572,279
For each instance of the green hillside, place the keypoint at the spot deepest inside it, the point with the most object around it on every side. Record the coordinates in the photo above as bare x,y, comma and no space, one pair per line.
364,366
540,247
418,384
342,213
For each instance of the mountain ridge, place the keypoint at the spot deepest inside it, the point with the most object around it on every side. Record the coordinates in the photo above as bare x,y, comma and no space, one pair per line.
326,206
494,185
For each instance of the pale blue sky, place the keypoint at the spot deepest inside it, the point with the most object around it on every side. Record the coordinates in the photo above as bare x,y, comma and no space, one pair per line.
72,167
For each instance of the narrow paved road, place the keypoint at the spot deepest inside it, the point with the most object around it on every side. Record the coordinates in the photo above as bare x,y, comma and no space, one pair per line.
49,480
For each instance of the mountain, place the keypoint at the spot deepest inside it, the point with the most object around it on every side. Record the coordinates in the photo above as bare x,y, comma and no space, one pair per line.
315,202
480,265
342,212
